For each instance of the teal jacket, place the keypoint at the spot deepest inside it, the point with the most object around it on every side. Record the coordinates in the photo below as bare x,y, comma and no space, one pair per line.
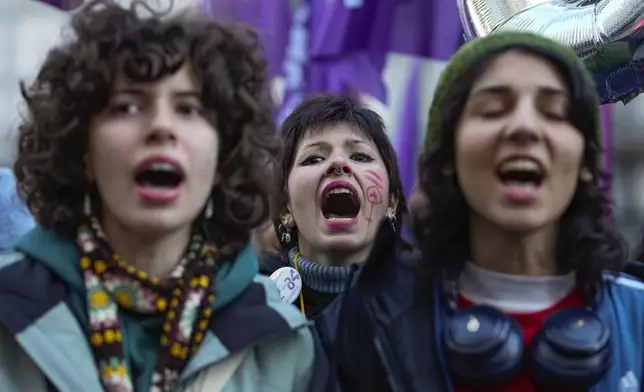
254,341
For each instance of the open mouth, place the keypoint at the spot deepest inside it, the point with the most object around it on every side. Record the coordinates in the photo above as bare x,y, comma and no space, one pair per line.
340,203
159,175
521,172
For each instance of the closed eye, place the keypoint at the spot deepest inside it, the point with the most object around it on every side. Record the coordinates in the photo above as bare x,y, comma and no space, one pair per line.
557,111
491,114
556,116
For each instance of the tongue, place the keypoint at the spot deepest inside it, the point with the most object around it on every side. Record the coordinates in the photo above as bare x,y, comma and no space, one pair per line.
519,191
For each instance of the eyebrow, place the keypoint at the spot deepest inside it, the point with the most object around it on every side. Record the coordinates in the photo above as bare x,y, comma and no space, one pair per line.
500,90
323,144
137,91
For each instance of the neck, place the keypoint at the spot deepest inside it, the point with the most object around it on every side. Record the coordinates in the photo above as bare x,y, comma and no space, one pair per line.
527,254
513,293
157,256
320,278
333,258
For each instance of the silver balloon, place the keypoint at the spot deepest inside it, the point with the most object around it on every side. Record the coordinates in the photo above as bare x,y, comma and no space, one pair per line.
607,34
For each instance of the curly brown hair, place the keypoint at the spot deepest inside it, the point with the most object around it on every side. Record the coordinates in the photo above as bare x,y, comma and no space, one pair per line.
75,84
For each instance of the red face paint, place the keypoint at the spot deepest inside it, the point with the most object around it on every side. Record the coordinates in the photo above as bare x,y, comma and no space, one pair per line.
373,177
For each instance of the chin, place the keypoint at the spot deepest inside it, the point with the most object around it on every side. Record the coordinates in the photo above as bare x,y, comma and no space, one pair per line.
520,223
343,243
157,224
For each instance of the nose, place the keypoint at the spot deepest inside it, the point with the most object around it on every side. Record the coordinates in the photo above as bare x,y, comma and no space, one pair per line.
338,167
525,125
161,127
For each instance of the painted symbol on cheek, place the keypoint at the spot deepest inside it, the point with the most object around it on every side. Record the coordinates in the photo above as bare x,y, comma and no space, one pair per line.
374,197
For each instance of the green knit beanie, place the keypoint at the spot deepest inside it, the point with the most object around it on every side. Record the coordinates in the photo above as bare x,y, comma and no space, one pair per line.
475,50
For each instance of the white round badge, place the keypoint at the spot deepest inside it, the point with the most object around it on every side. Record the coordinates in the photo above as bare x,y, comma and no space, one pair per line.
289,283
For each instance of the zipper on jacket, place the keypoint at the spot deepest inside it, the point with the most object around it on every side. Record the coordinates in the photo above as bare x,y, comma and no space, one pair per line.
393,383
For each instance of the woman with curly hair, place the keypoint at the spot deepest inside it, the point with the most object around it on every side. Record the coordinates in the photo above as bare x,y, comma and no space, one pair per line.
337,180
519,286
143,156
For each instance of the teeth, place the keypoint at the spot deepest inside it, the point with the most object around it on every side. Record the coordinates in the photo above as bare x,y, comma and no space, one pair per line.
338,218
337,191
163,166
520,165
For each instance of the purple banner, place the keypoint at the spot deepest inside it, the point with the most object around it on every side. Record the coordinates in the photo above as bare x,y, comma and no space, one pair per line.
271,18
409,128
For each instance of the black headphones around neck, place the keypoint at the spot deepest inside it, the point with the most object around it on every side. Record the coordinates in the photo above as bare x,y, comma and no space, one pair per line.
484,348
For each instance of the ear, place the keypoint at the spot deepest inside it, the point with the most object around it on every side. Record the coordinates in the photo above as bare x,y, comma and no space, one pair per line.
287,219
393,205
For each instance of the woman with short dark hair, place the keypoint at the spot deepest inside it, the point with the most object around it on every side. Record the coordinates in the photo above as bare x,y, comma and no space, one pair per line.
337,180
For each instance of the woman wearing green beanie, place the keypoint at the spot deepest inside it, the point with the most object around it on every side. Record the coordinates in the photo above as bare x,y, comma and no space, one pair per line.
519,286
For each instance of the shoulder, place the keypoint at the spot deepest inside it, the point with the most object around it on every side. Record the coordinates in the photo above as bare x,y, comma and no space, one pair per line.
624,294
28,290
18,270
9,258
390,253
626,285
393,270
409,255
20,274
622,309
635,268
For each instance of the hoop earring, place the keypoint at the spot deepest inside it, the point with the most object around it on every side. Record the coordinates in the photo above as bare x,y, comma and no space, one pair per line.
392,219
209,209
285,234
87,205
